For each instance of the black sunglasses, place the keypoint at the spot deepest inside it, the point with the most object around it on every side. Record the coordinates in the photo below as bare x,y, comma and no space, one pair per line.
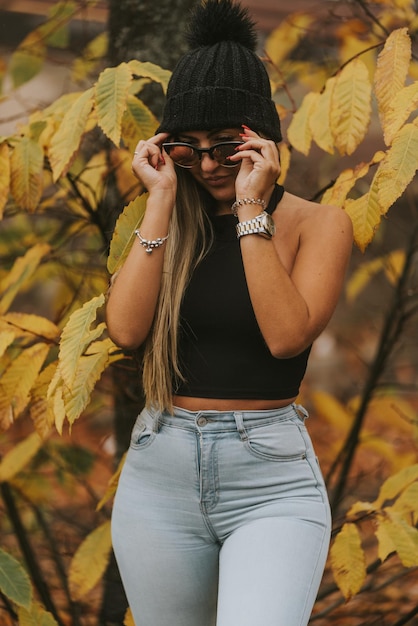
187,155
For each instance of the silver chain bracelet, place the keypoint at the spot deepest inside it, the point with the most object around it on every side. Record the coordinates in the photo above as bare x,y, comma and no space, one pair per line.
238,203
150,244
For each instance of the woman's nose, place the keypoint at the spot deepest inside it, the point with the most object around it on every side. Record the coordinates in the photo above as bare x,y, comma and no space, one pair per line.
208,164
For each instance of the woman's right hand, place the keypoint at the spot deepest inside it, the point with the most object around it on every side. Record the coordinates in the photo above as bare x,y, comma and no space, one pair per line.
153,168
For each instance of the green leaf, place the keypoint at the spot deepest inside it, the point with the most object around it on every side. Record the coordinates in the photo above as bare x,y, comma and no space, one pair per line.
123,235
14,581
28,60
55,30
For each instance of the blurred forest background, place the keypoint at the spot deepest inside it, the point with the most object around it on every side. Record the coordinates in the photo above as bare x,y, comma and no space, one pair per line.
65,183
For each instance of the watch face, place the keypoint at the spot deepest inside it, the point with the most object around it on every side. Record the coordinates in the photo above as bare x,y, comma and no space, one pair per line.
268,224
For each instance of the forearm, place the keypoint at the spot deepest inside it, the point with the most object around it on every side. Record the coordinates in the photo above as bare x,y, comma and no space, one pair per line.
294,290
133,298
281,312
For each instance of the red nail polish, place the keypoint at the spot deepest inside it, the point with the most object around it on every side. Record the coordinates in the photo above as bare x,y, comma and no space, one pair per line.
246,127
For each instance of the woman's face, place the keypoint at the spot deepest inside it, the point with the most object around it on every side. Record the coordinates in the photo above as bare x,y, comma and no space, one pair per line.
218,180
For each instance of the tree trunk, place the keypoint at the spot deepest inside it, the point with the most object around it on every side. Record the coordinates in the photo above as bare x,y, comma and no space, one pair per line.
146,31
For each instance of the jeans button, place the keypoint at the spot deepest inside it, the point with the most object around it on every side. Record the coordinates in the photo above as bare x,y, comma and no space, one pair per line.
202,421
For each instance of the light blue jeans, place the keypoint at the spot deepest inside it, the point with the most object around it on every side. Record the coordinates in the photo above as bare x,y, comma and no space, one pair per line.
221,518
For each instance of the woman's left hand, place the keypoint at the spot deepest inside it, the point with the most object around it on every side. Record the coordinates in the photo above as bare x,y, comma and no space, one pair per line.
260,165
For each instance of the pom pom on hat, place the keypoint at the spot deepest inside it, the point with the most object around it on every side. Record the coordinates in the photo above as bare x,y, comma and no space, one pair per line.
221,82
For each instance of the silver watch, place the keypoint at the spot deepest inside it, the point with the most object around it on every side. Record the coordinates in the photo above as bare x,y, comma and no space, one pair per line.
262,224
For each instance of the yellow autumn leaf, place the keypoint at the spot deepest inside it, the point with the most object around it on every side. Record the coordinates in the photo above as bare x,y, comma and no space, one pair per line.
395,484
6,339
138,122
19,456
33,324
391,70
403,104
365,213
91,56
58,407
328,407
111,92
345,182
391,264
76,336
22,270
145,69
393,410
385,545
67,138
407,502
89,370
403,536
320,118
285,38
128,185
40,408
4,176
123,234
348,561
285,156
112,485
36,615
18,379
26,173
90,561
398,168
128,620
350,106
93,179
299,132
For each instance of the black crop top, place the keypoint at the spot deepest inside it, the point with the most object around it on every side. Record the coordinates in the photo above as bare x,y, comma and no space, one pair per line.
222,353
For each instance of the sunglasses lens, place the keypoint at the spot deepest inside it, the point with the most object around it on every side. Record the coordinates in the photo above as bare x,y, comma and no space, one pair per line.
222,151
183,155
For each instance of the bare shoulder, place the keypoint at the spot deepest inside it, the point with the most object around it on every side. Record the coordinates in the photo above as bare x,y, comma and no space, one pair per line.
306,217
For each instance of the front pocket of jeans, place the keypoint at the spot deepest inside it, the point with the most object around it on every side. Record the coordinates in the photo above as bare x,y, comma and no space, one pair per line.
277,442
142,434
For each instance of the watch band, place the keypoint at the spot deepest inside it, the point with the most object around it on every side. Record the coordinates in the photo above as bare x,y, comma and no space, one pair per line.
253,226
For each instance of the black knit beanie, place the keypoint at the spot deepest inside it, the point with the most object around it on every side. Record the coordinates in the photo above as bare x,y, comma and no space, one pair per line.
221,82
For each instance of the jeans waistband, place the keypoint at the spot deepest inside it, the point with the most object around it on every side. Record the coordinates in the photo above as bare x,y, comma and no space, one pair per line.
221,421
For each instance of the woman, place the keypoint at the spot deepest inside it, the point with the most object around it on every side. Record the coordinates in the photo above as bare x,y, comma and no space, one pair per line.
221,514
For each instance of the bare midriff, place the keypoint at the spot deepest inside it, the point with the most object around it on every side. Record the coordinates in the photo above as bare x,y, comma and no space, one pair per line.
220,404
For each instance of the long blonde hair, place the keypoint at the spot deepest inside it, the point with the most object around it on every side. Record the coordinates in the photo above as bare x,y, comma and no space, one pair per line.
190,239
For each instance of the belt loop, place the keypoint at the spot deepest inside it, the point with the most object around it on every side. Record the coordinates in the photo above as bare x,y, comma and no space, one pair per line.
239,421
301,411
